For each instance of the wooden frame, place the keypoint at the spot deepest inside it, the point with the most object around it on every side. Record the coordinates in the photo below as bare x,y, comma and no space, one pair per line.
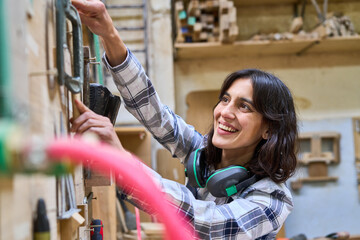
356,131
316,156
319,150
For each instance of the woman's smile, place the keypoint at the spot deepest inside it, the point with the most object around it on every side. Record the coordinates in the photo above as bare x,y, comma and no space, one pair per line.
226,129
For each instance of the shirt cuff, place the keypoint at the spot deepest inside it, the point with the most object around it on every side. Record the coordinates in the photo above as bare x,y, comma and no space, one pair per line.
119,67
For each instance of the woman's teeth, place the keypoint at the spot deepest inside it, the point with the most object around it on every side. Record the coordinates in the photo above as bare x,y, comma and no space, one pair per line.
226,128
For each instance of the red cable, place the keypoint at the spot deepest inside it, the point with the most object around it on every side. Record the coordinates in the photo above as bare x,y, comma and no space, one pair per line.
129,172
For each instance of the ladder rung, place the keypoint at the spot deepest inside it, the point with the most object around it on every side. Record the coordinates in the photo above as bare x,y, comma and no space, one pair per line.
124,6
130,28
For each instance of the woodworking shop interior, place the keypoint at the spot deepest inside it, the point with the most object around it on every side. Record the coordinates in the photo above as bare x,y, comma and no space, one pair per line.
187,48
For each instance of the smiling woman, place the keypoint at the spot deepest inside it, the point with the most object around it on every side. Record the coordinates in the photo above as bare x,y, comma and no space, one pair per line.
237,170
254,125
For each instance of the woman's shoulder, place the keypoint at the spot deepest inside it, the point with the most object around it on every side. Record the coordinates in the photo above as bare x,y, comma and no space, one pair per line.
266,186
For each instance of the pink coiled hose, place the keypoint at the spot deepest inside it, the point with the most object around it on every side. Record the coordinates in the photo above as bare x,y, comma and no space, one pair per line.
129,172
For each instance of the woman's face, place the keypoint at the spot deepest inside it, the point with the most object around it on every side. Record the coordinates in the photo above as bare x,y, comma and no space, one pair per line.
237,125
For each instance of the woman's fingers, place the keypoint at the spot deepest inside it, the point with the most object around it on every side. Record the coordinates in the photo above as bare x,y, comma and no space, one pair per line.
93,122
81,107
85,115
86,6
84,118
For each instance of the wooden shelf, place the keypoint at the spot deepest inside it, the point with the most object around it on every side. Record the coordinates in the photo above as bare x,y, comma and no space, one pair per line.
129,130
319,179
267,48
247,3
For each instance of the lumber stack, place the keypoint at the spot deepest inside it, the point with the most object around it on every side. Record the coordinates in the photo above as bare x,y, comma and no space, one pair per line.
336,25
228,26
206,21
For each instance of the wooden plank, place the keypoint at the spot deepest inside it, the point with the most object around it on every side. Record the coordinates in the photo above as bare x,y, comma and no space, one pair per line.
6,200
83,233
104,208
153,230
169,167
356,133
316,145
245,3
129,130
240,48
69,227
319,179
266,48
337,44
79,184
317,169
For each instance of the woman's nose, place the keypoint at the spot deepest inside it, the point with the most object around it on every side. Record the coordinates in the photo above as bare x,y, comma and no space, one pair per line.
228,111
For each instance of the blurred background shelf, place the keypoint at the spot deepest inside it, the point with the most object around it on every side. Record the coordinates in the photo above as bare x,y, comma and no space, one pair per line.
267,48
242,3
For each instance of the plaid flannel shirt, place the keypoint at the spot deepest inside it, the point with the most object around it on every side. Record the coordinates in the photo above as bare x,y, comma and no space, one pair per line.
256,213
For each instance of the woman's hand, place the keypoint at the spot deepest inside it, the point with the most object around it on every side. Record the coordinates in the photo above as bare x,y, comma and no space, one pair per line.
89,121
94,15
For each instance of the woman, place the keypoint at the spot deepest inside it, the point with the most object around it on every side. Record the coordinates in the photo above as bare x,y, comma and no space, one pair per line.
254,128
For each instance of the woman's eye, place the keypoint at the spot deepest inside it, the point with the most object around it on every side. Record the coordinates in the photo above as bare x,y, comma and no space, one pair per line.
245,107
224,99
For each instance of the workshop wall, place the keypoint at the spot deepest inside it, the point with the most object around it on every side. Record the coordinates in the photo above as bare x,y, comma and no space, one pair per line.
327,207
36,111
326,91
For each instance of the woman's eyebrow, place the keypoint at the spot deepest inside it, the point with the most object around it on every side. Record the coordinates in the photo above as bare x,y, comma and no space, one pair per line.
243,99
247,100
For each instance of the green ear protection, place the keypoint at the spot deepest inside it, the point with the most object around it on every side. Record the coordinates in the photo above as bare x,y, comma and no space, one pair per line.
220,183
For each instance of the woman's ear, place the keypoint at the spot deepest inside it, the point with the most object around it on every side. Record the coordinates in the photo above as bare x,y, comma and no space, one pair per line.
265,135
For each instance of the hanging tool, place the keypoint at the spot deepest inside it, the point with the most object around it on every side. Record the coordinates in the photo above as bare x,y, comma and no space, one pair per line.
97,232
41,223
103,102
50,77
130,218
64,10
321,15
298,21
86,86
67,206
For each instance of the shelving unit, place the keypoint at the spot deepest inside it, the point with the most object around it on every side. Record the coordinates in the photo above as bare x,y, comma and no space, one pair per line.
278,2
137,140
296,46
267,48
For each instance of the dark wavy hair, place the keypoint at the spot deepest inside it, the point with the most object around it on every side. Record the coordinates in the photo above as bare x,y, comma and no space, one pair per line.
274,157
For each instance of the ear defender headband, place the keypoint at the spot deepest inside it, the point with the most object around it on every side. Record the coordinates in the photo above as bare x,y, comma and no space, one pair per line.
223,182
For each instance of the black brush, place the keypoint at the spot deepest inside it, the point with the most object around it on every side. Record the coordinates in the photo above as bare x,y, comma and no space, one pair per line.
103,102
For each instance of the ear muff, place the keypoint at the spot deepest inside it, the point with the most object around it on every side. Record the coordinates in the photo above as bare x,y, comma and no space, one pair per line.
225,182
196,169
220,183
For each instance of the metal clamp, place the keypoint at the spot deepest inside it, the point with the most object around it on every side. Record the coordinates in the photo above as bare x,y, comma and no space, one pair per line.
64,10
